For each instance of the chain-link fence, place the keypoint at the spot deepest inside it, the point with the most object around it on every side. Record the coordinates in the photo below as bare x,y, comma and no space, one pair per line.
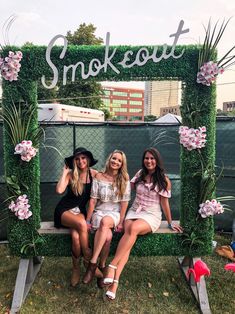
101,139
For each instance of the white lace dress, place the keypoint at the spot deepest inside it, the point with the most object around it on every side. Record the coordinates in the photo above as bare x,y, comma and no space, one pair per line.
108,203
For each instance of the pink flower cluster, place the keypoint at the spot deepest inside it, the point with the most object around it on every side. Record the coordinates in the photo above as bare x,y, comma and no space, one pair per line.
21,207
210,208
10,66
192,138
26,150
208,73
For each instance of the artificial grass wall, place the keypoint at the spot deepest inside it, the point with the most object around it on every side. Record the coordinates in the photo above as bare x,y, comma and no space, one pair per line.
195,98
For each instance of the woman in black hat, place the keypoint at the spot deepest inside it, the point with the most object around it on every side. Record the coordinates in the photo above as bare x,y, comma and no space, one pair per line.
70,212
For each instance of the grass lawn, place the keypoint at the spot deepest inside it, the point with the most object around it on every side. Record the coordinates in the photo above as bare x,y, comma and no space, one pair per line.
148,285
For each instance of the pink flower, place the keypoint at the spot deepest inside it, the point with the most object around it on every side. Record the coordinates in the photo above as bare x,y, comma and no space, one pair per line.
24,214
200,269
10,66
208,73
192,138
230,266
26,150
210,208
21,207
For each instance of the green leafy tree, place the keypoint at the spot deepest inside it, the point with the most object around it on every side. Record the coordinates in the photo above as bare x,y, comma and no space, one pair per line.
84,35
107,114
150,118
79,93
46,95
231,113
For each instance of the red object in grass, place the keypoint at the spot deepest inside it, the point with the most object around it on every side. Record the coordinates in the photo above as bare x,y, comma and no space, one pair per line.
200,269
230,266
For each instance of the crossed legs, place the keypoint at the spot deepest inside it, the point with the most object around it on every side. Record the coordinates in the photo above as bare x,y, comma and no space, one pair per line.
102,235
132,228
102,241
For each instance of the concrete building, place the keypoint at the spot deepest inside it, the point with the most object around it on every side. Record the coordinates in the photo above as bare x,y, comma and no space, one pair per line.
124,103
162,97
229,106
173,109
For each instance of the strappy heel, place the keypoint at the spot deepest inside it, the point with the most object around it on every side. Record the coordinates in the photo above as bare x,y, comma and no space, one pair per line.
111,295
109,280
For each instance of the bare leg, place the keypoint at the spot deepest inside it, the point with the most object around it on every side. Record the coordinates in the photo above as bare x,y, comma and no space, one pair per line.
76,247
78,223
113,287
100,237
133,228
105,250
76,252
103,257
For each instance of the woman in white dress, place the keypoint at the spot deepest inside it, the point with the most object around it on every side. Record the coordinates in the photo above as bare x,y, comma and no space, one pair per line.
153,189
110,194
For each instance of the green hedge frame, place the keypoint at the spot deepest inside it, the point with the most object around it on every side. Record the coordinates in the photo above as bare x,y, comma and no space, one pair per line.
185,69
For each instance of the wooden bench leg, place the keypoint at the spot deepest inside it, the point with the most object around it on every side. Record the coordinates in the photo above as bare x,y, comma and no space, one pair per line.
27,272
198,289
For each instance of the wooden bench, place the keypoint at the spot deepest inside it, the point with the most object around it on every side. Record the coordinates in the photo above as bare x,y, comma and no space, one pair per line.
28,268
47,227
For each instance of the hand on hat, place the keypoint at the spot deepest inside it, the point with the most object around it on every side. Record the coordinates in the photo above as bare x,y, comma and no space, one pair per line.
66,170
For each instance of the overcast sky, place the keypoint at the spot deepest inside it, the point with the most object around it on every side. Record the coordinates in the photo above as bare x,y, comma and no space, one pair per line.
130,22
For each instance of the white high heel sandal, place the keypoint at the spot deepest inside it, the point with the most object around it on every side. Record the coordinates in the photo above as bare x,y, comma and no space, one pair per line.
111,295
108,280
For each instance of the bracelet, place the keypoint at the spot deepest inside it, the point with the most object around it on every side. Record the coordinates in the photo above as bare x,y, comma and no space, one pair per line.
170,226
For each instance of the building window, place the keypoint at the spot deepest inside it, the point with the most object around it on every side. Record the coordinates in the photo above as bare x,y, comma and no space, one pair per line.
120,109
107,92
134,118
106,101
120,118
136,102
119,93
135,110
136,95
120,101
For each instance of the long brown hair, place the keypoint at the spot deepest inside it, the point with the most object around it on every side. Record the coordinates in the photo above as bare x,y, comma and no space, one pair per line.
158,177
76,184
122,176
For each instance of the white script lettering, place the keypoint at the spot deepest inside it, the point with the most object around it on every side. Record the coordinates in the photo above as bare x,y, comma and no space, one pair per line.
95,66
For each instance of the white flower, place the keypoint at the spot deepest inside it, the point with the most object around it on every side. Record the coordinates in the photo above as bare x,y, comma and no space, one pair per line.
208,72
210,208
26,150
21,207
10,66
192,138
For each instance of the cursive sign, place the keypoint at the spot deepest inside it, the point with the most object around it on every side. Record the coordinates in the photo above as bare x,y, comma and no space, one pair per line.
95,66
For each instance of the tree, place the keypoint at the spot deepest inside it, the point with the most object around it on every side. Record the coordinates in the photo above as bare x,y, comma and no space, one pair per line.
84,35
231,113
150,118
47,95
107,114
79,93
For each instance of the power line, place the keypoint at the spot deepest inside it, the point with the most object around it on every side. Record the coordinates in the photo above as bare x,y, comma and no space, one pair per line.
146,91
99,96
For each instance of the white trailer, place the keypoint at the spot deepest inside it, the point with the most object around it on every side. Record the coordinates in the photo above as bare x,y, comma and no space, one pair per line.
65,113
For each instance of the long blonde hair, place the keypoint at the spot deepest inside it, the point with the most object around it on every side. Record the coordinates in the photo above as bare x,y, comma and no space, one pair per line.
122,176
76,183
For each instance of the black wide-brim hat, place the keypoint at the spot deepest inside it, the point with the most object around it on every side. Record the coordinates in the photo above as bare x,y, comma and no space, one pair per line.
80,150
